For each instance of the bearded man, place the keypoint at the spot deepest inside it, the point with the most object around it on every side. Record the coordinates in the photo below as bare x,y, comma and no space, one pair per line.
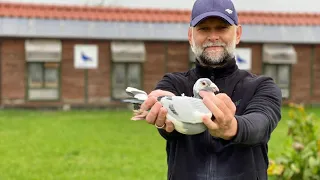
245,112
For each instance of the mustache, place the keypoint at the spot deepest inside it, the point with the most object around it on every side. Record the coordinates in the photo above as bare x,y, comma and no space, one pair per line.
208,44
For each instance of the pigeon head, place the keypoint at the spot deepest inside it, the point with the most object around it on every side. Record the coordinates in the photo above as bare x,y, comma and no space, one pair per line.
204,84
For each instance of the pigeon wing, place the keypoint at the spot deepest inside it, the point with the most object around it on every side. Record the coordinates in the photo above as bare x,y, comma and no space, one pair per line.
132,101
136,93
137,97
185,109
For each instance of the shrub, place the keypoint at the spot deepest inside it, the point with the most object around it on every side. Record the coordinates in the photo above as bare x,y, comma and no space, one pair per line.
301,159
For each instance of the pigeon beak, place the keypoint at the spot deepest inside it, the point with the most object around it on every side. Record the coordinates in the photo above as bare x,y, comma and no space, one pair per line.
214,87
208,89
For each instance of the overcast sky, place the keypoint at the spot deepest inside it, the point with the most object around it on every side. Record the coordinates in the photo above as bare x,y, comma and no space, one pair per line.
244,5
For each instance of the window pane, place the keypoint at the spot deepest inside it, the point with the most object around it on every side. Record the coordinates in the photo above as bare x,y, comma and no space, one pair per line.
118,80
134,75
35,75
271,71
43,94
283,76
51,77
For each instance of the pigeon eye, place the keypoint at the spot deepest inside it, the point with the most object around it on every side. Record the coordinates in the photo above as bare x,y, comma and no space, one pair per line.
203,83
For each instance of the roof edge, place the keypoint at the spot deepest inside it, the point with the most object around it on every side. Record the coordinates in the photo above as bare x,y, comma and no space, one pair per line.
127,14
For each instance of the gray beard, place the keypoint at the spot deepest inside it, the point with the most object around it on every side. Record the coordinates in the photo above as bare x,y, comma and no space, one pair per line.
206,62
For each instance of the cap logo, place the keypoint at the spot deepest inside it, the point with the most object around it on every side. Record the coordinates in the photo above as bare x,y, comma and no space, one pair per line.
229,11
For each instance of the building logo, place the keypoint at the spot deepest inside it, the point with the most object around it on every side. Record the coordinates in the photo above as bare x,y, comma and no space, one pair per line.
243,58
85,56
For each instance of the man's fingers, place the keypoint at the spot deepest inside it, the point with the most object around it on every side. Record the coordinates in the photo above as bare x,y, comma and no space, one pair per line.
147,104
161,118
157,93
211,105
153,114
227,100
209,123
216,105
169,126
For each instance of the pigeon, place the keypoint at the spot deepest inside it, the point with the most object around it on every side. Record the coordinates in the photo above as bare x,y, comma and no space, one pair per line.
185,112
85,57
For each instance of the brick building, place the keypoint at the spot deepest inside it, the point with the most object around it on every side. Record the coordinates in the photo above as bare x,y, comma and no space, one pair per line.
85,56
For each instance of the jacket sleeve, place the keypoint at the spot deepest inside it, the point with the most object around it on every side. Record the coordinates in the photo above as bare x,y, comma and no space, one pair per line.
261,115
167,84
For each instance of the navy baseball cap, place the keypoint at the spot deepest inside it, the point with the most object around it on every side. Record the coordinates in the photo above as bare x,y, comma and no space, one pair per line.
203,9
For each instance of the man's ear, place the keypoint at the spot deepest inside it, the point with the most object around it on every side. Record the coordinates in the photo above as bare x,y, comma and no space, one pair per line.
238,33
190,35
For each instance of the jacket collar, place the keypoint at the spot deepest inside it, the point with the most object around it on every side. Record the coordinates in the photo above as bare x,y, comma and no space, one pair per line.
227,68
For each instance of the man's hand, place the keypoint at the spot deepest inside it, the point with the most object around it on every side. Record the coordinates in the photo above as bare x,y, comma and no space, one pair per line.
157,113
225,124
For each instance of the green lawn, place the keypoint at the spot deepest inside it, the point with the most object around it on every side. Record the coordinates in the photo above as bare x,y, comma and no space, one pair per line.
87,145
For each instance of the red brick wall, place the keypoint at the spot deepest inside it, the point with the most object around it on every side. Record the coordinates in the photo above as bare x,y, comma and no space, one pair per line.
177,56
301,75
72,80
99,79
154,67
12,71
164,57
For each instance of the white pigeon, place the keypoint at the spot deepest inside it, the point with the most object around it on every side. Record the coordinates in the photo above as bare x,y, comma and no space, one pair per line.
185,112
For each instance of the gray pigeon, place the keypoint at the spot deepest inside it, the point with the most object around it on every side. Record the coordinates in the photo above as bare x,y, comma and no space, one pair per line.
185,112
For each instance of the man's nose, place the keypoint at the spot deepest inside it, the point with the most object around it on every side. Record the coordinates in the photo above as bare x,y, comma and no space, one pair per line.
213,36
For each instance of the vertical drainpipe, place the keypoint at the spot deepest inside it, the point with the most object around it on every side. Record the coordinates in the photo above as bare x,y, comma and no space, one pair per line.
86,86
312,69
166,57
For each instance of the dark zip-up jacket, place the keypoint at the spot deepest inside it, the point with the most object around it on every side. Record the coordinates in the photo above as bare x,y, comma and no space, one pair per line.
245,157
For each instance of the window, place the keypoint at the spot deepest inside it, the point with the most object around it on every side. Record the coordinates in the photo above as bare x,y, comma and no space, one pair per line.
127,61
43,81
277,59
124,75
280,73
43,75
43,63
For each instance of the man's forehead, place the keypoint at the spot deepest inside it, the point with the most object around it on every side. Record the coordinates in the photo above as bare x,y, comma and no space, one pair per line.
213,20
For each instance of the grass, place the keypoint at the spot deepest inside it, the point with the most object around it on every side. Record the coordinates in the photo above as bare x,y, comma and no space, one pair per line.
78,145
88,145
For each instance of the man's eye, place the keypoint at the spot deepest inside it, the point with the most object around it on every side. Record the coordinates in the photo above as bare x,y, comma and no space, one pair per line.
204,28
222,27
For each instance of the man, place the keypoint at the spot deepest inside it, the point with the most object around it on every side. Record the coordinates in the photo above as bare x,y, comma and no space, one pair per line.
245,112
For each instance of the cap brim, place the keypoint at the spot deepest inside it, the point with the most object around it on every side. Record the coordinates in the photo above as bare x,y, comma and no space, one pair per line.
203,16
